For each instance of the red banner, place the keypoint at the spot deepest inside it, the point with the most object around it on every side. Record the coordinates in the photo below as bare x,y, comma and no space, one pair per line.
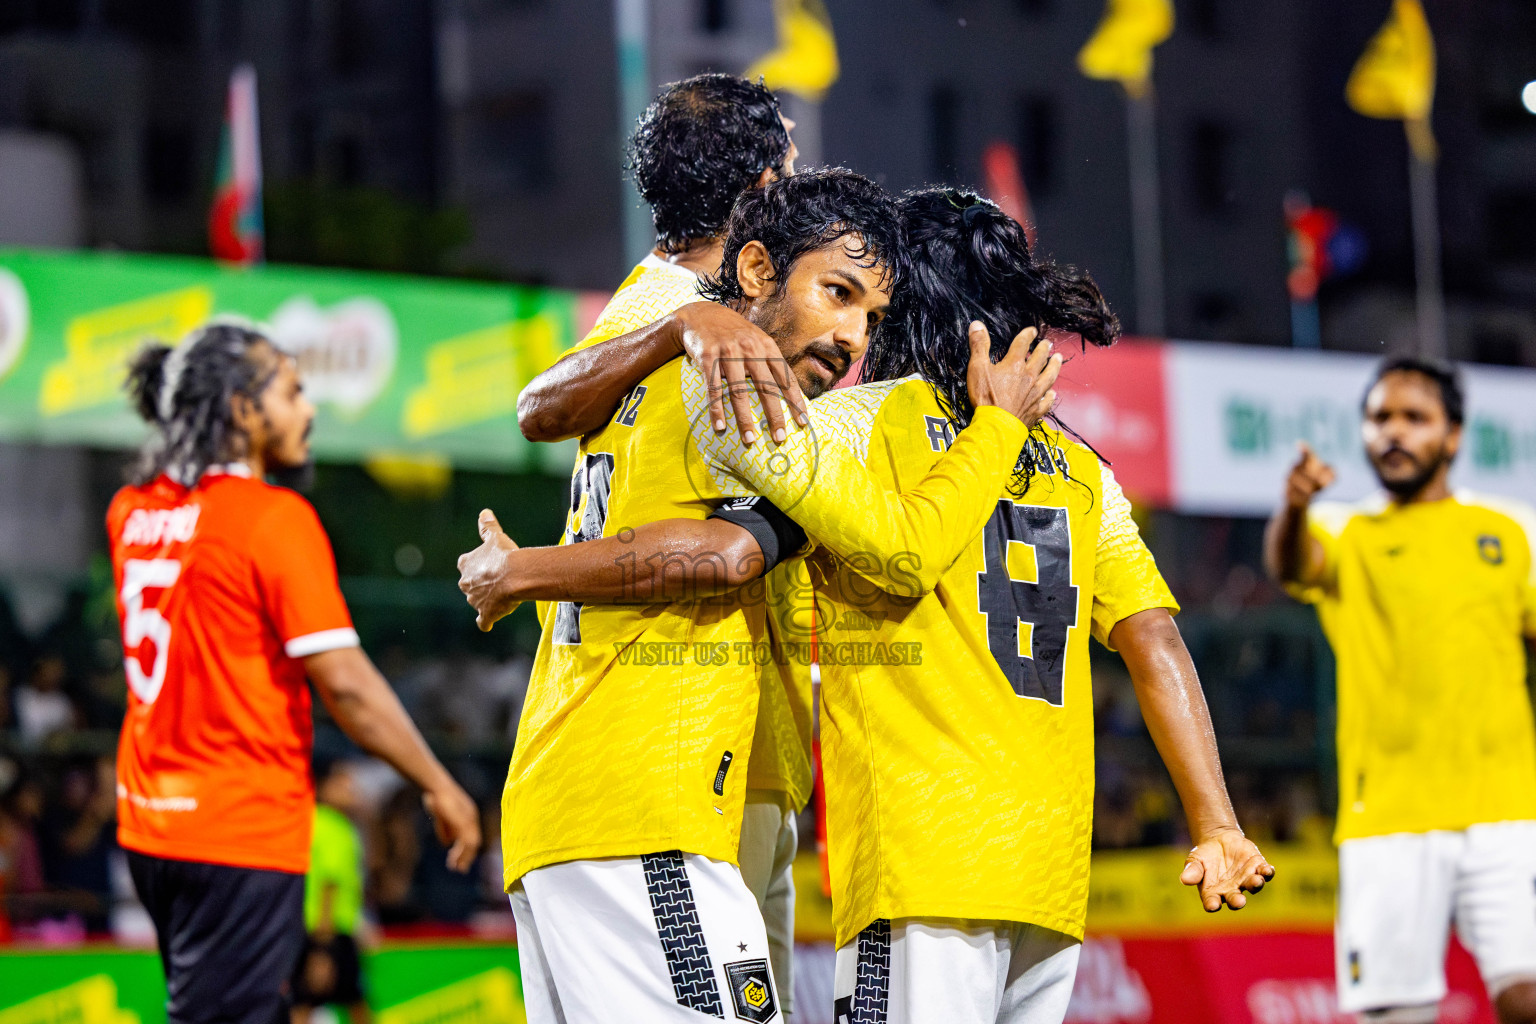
1115,398
1269,978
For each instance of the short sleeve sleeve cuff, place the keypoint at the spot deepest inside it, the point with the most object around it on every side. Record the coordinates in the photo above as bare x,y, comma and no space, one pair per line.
319,643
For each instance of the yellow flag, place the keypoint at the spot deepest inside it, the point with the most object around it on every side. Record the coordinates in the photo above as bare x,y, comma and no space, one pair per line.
1395,76
805,61
1121,47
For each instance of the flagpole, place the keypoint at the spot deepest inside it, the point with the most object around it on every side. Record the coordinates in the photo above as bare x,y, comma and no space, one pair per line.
631,19
1430,295
1146,215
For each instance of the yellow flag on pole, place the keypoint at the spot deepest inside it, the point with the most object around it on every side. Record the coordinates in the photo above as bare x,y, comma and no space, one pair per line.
1395,76
805,61
1120,49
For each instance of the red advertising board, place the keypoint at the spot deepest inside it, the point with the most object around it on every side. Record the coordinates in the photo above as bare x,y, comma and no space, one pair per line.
1116,399
1258,978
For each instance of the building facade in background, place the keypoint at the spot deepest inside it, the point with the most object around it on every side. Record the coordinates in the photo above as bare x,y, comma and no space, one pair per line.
503,117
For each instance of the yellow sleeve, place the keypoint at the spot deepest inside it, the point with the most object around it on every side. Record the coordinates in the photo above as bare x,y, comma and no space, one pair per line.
1325,523
1125,576
644,297
901,541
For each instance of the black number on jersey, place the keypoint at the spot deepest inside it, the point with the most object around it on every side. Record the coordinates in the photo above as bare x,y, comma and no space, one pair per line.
630,406
1048,607
592,478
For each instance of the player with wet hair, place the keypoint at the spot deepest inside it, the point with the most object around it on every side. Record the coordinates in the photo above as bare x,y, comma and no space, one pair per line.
624,800
979,752
229,601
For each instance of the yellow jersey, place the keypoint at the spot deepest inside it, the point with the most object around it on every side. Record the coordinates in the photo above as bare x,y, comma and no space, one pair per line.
653,289
778,762
1426,606
957,724
638,718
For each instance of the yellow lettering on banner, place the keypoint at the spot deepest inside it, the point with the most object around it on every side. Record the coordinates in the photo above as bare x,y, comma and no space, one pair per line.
487,998
97,346
476,376
92,1000
1137,892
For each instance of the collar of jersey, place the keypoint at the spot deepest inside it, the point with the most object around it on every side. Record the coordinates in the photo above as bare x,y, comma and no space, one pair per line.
654,262
229,469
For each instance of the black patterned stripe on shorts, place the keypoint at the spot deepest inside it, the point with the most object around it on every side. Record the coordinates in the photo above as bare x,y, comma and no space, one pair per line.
872,985
682,939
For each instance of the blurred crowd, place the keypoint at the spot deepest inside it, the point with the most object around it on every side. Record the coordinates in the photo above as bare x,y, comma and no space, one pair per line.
62,697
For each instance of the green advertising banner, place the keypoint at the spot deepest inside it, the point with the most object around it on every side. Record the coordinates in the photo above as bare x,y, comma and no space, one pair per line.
397,365
436,982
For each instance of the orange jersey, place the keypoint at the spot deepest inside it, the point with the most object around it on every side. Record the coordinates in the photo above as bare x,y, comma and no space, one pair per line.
221,589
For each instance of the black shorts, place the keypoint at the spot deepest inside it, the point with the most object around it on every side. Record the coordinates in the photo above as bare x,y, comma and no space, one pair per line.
328,971
229,937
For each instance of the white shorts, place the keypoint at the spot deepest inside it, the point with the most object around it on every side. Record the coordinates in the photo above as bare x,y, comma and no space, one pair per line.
1399,895
922,970
667,937
769,841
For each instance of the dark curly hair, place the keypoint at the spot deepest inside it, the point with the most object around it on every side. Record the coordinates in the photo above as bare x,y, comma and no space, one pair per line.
1441,374
807,212
968,260
697,147
185,392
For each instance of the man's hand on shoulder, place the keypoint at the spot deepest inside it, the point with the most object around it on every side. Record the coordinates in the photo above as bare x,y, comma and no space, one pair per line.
735,355
483,573
1225,866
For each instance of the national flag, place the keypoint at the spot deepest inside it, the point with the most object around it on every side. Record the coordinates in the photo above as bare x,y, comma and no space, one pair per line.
1005,185
1320,246
1394,78
235,230
805,61
1120,49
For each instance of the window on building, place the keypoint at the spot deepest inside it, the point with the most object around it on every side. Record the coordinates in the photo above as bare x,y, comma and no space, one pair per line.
1214,313
168,164
163,23
1037,137
351,163
1509,217
515,140
352,47
944,133
1210,167
1203,17
1498,345
714,15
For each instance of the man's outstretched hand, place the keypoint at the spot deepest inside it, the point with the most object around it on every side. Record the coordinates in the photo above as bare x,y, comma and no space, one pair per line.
483,573
1226,865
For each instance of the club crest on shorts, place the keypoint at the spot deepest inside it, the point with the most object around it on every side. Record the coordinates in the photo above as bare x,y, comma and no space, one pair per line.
1491,549
751,990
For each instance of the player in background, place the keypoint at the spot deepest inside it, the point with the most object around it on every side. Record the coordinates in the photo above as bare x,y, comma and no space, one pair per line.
623,805
228,597
698,146
330,968
947,907
1427,596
